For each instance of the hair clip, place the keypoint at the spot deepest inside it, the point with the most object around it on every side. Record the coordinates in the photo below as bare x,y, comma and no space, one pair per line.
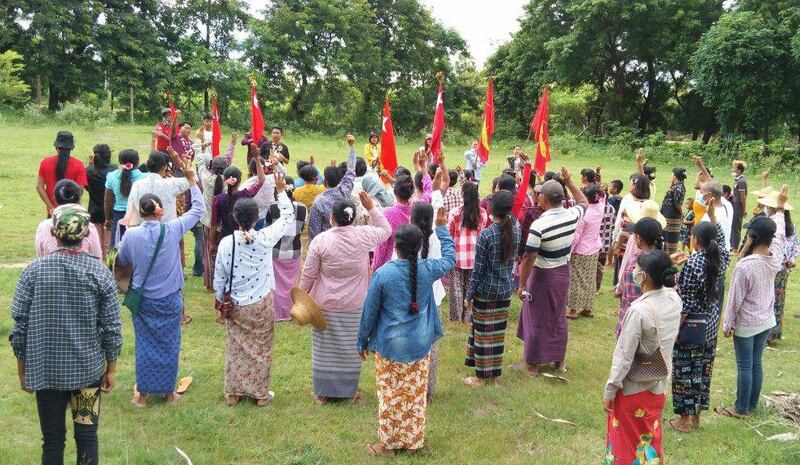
127,166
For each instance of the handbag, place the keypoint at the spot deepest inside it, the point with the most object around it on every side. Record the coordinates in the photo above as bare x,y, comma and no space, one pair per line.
647,368
225,307
133,296
693,330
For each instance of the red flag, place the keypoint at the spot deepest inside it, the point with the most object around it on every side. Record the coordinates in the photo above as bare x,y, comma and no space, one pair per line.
172,112
488,124
388,150
256,118
438,126
216,131
522,190
540,135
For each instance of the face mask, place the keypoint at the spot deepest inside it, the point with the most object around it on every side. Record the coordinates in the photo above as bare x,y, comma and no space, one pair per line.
701,199
734,174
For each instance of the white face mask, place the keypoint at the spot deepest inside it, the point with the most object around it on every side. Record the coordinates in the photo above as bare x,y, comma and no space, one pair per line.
701,199
638,277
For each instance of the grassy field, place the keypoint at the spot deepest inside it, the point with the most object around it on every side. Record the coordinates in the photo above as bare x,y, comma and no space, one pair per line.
464,426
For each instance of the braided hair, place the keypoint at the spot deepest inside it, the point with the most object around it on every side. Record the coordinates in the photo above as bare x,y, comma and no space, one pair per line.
705,234
422,217
408,241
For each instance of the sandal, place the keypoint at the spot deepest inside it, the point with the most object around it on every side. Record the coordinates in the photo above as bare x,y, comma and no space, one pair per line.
320,400
587,314
730,412
378,451
572,316
185,320
525,370
232,400
473,381
183,385
265,402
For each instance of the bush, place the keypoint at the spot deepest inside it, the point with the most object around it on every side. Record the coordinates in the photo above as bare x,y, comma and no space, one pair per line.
33,114
82,114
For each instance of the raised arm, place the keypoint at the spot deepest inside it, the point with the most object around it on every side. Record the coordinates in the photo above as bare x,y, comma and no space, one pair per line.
187,221
574,190
378,229
273,233
345,187
441,266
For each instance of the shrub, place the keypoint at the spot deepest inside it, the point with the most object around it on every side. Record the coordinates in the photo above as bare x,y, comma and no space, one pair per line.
81,114
33,114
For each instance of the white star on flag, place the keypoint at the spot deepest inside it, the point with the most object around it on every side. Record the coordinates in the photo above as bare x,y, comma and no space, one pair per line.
383,125
439,100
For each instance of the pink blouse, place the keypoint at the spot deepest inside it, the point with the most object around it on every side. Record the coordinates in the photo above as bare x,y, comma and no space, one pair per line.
587,240
336,272
45,243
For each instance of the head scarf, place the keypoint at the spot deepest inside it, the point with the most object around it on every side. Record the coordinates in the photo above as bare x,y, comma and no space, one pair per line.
373,186
70,223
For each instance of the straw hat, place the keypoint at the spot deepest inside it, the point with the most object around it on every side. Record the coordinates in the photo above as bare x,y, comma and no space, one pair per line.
771,201
305,310
649,209
763,192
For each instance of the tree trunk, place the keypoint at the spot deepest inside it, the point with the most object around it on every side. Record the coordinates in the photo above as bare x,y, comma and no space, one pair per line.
710,130
130,95
646,114
54,99
39,90
297,100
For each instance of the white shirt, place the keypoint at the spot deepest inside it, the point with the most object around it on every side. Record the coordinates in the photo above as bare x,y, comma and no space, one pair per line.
357,186
265,196
166,189
724,218
207,139
253,277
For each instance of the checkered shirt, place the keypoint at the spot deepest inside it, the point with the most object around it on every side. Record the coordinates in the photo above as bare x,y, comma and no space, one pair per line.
66,321
289,247
453,199
465,239
491,278
607,228
692,286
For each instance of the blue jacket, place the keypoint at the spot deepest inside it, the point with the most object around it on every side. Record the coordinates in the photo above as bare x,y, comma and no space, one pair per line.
387,325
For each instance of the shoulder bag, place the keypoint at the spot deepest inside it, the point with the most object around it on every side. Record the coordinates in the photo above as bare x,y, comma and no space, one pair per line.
225,307
693,330
648,368
133,297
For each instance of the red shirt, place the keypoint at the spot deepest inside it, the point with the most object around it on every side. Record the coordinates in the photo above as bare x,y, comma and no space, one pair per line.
75,171
162,144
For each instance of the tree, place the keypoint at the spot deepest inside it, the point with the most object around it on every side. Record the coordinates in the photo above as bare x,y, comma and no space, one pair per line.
737,72
12,89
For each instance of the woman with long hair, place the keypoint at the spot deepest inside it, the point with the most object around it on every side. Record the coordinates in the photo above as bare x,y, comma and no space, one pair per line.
489,291
399,325
250,324
66,192
210,170
222,221
634,396
692,364
152,250
60,166
117,189
97,173
672,209
336,275
750,311
465,224
647,235
586,245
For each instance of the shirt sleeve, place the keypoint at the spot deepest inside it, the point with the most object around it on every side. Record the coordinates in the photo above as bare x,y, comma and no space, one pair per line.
345,187
737,290
108,319
187,221
311,267
624,352
778,246
378,229
92,243
369,315
314,222
441,266
20,311
534,239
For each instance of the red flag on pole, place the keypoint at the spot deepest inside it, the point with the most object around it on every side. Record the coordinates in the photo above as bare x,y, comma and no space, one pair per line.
488,124
216,131
388,150
522,190
256,118
438,125
540,135
173,113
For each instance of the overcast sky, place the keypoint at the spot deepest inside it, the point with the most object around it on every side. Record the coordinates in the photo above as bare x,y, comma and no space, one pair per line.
483,24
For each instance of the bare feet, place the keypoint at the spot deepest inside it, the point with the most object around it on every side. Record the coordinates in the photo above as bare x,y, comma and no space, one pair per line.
231,400
695,421
528,369
378,450
561,367
586,314
172,398
572,315
139,400
320,400
473,381
682,424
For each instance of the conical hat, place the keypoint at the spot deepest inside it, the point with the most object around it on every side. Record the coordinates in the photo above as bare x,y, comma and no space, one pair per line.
771,201
763,192
305,310
649,209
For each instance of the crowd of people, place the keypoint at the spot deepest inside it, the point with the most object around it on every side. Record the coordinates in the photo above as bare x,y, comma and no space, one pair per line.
383,251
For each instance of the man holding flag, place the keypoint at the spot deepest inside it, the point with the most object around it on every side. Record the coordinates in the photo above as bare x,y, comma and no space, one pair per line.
474,162
478,157
205,137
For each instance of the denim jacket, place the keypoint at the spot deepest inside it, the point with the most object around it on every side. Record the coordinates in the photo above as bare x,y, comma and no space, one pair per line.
387,325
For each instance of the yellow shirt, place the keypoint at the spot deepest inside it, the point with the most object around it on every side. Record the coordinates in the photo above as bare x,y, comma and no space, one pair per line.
371,155
306,194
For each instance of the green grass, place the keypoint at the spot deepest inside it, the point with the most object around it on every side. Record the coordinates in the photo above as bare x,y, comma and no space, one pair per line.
464,426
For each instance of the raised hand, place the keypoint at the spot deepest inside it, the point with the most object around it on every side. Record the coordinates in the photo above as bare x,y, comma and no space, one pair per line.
441,217
366,201
351,141
234,138
280,182
783,196
565,175
679,258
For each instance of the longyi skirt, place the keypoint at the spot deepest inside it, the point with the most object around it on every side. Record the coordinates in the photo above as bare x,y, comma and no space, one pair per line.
401,391
248,349
335,363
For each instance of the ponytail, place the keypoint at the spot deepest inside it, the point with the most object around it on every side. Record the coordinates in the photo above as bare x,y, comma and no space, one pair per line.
507,245
706,235
61,164
412,275
128,160
217,184
422,217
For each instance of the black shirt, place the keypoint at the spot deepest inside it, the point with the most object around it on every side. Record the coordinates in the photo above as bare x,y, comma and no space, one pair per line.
97,191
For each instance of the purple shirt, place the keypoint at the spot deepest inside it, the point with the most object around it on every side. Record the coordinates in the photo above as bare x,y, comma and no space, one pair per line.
222,209
139,243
